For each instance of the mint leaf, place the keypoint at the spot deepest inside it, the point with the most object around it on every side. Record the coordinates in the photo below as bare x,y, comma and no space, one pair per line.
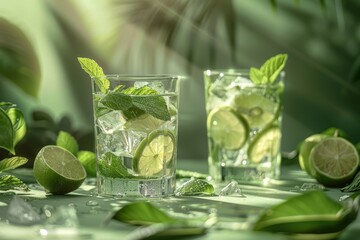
6,132
112,166
273,66
12,163
195,187
18,124
95,71
142,213
9,182
257,76
117,101
153,105
65,140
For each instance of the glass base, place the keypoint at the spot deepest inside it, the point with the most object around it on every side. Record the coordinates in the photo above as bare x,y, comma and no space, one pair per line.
160,187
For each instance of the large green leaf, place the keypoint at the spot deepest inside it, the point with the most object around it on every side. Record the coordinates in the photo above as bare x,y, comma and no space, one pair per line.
18,61
67,141
6,132
18,124
309,213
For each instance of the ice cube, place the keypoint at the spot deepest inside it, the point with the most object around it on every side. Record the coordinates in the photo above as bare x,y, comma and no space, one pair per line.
239,82
111,122
232,189
218,88
120,143
156,85
63,216
22,213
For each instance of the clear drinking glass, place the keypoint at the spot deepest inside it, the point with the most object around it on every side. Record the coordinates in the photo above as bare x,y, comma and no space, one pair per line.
243,125
136,124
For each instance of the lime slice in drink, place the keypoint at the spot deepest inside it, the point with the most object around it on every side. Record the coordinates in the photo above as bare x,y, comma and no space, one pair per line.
154,153
266,144
335,161
258,109
144,123
57,170
304,152
227,128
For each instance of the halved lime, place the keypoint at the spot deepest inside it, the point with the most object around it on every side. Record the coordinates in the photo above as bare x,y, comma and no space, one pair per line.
154,153
266,144
304,152
58,170
335,161
227,128
257,107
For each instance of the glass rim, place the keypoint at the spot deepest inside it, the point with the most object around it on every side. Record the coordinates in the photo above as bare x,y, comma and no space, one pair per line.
141,77
232,71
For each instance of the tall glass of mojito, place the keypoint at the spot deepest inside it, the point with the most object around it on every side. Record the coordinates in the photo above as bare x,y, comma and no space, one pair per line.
136,122
244,111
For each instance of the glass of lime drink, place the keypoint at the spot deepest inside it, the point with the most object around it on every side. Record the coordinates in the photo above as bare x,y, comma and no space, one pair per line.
136,122
243,126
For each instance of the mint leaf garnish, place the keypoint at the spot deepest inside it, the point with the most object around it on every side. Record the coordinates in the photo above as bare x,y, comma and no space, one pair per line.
195,187
117,101
95,71
269,71
67,141
12,163
154,105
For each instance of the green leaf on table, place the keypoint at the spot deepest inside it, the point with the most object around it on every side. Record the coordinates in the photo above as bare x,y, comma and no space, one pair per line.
143,213
195,187
12,163
354,185
309,213
96,72
18,124
88,160
6,132
9,182
67,141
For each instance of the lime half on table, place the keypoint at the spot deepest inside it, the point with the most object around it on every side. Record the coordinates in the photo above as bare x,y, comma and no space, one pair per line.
265,144
335,161
258,108
154,153
227,128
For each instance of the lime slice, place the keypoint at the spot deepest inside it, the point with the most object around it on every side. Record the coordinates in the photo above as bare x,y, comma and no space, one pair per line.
335,161
258,109
154,153
304,152
57,170
266,144
143,123
227,128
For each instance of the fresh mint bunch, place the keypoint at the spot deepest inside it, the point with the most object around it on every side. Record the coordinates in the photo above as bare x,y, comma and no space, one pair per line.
128,100
269,71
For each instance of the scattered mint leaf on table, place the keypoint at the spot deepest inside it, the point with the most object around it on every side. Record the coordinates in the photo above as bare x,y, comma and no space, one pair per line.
195,187
10,182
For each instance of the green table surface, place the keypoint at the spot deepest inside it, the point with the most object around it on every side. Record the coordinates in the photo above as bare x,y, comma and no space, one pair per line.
234,212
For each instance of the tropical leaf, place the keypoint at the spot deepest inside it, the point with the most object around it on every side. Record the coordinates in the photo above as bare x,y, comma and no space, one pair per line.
18,60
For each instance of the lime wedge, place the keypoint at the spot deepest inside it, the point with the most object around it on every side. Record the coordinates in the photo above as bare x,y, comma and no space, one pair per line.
335,161
304,152
266,144
258,109
58,170
154,153
227,128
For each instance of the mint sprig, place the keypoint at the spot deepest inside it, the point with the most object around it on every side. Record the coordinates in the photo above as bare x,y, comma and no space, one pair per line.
269,71
96,72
